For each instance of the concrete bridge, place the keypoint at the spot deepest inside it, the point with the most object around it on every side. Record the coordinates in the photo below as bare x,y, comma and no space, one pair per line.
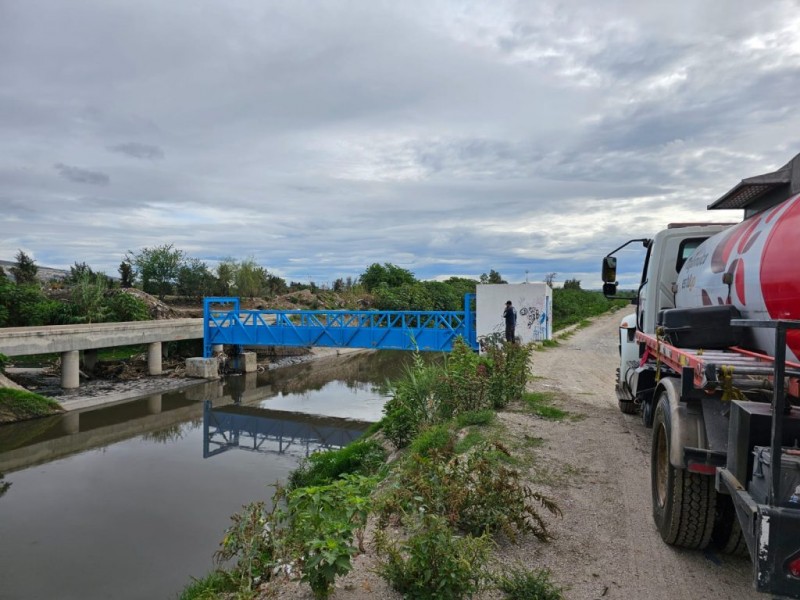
70,340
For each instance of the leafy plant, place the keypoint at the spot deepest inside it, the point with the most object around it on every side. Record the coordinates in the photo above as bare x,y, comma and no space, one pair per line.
252,542
519,583
434,439
415,402
433,563
126,307
509,372
323,524
475,493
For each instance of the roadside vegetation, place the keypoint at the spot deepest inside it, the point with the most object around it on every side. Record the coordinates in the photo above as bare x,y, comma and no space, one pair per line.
432,513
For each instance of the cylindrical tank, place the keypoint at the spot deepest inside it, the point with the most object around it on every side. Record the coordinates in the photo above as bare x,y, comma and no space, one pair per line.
762,255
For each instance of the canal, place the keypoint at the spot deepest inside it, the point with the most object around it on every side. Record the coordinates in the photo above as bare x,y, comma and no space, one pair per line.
131,500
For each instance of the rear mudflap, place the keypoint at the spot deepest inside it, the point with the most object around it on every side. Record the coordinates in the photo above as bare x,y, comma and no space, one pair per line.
777,545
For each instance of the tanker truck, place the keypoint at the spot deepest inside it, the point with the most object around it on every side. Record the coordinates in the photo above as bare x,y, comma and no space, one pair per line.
710,359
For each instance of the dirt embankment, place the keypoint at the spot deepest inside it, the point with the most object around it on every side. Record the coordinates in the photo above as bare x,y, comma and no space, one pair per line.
596,466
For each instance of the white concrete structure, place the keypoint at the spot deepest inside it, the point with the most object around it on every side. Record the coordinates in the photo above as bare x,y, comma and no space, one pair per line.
533,303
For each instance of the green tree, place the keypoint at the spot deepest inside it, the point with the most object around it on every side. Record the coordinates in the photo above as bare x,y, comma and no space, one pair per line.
158,268
195,279
572,284
492,277
392,275
126,274
251,279
276,285
80,271
226,276
25,270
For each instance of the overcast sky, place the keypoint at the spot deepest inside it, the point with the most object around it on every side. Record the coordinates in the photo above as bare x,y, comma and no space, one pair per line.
449,138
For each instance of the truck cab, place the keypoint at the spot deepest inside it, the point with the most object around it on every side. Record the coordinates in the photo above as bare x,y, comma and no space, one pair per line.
666,254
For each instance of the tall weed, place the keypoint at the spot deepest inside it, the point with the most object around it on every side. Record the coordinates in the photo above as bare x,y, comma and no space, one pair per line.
475,493
433,563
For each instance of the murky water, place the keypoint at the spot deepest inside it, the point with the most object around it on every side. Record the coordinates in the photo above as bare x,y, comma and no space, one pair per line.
119,502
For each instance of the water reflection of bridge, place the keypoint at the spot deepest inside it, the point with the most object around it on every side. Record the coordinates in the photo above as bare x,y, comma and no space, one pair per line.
263,430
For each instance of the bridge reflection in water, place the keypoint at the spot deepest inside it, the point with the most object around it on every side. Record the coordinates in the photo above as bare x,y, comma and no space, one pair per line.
263,430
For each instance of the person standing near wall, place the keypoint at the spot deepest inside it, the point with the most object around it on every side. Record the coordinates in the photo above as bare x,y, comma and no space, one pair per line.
510,316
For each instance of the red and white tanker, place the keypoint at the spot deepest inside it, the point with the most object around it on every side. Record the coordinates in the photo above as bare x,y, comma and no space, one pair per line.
700,361
761,257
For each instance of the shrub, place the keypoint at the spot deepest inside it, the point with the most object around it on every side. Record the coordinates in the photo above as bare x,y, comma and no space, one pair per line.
126,307
437,438
252,543
362,457
467,378
475,494
509,372
322,524
414,402
523,584
434,563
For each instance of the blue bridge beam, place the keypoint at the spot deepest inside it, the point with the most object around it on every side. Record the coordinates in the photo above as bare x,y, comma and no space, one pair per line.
225,323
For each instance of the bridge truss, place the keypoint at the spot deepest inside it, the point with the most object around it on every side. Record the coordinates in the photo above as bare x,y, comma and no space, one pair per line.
225,323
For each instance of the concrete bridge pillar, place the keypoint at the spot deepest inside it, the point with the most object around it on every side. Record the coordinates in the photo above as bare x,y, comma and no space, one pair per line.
70,369
89,360
154,358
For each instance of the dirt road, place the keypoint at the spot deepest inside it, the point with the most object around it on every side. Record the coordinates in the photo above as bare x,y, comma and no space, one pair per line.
597,467
595,464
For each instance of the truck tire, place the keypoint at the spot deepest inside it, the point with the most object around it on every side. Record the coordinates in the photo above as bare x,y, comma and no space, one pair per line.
683,502
629,408
727,536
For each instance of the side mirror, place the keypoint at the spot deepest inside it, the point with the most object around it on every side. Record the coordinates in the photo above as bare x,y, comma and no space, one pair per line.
609,289
609,270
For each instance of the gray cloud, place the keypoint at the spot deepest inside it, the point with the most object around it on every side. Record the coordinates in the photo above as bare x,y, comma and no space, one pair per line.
449,137
79,175
138,150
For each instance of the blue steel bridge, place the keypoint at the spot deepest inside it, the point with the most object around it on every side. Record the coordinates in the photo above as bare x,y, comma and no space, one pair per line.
225,323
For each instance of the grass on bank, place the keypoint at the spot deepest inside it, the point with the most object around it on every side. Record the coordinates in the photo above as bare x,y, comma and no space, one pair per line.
451,487
19,405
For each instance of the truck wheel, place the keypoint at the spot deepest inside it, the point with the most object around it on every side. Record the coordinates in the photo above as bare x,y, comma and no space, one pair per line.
647,413
629,408
683,502
727,536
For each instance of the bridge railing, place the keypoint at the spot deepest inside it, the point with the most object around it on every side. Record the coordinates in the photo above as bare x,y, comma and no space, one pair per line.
389,330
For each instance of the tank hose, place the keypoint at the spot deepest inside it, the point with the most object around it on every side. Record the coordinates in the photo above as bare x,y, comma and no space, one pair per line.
729,392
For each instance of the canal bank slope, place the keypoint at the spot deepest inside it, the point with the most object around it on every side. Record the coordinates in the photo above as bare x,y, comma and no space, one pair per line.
595,464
